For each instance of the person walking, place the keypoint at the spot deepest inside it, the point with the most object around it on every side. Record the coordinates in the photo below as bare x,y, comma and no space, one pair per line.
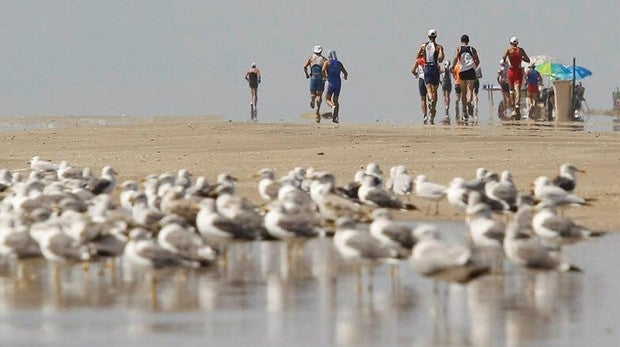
533,80
317,79
418,71
514,55
467,57
433,54
254,78
446,87
502,79
332,69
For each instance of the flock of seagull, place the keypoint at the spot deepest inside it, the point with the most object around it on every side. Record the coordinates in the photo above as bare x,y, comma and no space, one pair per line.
68,215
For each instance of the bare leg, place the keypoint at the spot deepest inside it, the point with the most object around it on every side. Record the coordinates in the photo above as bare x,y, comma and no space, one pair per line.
336,109
432,98
328,100
446,100
424,108
319,99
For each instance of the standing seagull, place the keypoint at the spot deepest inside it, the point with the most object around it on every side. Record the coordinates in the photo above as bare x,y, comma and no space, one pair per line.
558,231
392,234
268,187
104,184
567,179
440,261
544,190
372,194
38,164
401,181
430,191
528,252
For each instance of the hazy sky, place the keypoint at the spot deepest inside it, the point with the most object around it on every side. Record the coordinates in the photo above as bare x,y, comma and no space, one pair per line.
156,57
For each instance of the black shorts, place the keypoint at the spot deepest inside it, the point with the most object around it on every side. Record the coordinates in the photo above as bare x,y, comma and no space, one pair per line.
446,87
505,87
467,75
457,89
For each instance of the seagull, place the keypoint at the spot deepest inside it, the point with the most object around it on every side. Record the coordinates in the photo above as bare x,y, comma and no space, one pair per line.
567,179
544,190
218,229
56,246
372,169
333,206
392,234
457,193
528,252
15,239
373,195
201,188
128,194
485,232
503,191
268,187
38,164
104,184
558,231
430,191
359,246
143,252
185,243
434,258
401,181
183,179
297,226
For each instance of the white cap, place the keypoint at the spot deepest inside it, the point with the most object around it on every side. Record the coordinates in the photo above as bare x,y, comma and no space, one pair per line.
502,61
318,49
253,65
514,39
432,32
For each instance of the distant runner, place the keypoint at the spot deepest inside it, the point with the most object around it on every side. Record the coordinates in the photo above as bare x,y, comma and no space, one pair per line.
332,69
457,90
514,55
467,57
533,80
502,79
317,80
253,77
418,71
433,55
446,87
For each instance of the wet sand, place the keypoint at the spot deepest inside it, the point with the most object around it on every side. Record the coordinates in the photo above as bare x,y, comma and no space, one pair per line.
138,146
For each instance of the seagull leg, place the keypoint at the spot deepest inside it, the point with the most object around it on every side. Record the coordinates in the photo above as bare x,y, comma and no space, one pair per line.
153,288
358,278
370,279
56,283
436,208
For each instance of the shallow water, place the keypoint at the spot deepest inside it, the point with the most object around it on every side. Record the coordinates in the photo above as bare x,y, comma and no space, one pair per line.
260,300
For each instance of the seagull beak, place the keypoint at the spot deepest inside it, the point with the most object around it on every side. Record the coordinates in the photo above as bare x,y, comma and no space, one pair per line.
582,171
255,176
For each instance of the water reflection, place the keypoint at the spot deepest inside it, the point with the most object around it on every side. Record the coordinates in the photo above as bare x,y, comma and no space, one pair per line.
262,298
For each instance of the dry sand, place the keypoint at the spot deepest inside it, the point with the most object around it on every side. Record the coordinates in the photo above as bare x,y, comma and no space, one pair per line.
136,147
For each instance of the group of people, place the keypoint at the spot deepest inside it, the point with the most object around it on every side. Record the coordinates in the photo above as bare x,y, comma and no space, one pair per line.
427,67
322,69
465,67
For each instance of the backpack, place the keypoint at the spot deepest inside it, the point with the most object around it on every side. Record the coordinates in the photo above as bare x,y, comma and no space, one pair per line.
466,58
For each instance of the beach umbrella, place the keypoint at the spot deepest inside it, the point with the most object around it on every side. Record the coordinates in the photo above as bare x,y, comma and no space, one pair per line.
543,58
580,73
554,70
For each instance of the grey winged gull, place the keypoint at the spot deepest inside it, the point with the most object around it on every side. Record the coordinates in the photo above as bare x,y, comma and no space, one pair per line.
567,179
392,234
430,191
434,258
556,230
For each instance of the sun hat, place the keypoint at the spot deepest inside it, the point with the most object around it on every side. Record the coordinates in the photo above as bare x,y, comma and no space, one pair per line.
514,39
318,49
432,32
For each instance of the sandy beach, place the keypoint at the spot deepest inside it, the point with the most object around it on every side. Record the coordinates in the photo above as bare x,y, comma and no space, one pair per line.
138,146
